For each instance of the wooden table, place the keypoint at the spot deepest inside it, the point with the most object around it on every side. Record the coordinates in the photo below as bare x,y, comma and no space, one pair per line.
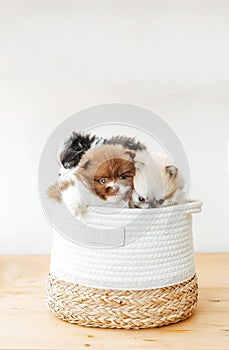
25,322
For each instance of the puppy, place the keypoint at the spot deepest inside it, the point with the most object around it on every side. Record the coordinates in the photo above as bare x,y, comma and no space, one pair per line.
73,148
69,154
103,175
157,183
108,172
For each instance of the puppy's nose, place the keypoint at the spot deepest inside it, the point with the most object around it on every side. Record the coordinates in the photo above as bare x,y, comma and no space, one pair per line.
116,189
153,204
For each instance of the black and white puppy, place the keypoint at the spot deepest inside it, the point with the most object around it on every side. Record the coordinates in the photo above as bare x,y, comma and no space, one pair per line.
73,148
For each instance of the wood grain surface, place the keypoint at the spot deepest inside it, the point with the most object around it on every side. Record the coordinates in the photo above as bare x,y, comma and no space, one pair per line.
25,322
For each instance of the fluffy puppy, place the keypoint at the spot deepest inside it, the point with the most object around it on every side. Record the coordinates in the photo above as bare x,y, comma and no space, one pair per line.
69,154
104,175
157,183
108,172
74,147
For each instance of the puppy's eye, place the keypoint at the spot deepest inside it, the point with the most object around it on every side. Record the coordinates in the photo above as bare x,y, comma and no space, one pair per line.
160,201
103,180
141,199
66,165
122,177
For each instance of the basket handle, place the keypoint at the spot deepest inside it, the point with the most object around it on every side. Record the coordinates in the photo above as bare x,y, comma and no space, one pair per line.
194,206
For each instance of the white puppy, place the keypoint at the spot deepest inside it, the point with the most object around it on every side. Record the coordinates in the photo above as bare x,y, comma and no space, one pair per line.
157,182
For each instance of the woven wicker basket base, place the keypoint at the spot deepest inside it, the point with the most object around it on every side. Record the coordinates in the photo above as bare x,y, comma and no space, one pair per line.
94,307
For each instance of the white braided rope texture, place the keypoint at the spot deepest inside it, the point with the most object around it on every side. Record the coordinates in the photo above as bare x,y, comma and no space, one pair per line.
161,256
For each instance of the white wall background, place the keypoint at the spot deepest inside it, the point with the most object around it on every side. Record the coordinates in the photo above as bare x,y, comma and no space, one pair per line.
57,57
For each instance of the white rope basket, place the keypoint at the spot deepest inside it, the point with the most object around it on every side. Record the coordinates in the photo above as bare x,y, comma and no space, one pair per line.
154,253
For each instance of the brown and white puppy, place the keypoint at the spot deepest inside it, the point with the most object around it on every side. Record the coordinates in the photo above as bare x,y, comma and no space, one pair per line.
104,175
108,172
158,182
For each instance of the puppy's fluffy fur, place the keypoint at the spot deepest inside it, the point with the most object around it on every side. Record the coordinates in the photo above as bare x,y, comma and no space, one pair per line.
72,149
103,174
69,154
127,142
157,182
118,171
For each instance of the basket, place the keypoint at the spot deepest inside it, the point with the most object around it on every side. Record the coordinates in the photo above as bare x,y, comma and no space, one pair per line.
145,279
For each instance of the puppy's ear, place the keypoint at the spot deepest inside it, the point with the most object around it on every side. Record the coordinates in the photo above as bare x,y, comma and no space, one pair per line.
98,142
172,170
139,165
131,154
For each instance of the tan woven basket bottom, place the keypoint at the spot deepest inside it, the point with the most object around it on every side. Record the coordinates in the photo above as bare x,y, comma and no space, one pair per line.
94,307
